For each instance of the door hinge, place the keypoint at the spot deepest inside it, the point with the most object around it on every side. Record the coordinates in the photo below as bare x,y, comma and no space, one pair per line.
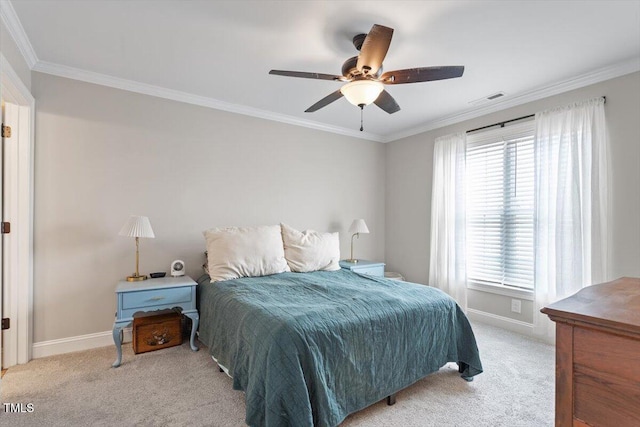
5,227
6,323
6,131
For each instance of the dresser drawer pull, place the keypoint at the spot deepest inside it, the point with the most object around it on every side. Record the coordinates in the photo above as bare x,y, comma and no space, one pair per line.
156,298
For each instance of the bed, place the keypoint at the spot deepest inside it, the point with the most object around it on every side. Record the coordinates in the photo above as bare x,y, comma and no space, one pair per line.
308,349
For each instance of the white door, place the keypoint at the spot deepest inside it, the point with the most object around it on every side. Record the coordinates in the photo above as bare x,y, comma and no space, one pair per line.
8,248
16,248
2,284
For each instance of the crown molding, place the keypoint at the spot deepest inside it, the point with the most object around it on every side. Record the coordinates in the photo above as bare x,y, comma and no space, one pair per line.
12,84
606,73
12,22
189,98
14,26
596,76
16,30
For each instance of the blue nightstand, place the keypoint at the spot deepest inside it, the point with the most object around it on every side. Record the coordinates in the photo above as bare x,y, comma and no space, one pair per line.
364,267
153,295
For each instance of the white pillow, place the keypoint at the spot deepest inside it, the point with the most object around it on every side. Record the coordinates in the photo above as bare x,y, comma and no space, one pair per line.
309,250
244,252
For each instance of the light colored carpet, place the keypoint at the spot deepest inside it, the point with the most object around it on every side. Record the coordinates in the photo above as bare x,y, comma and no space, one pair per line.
178,387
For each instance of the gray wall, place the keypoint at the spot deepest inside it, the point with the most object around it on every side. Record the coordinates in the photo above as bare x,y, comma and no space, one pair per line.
103,154
11,52
409,181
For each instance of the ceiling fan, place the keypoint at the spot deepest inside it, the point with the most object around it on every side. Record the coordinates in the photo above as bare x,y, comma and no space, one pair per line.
364,77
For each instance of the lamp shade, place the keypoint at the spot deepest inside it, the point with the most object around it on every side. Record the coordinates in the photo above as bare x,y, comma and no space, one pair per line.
137,226
362,92
358,226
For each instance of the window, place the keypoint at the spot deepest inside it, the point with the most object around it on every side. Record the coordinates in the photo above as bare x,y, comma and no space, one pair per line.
500,207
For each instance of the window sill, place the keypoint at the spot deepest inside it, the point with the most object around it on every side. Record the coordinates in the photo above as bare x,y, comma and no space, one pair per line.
501,290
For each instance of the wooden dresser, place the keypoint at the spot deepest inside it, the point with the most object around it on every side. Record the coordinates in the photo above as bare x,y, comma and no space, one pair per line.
598,355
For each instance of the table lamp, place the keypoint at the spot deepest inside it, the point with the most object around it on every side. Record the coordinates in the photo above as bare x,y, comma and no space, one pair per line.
357,226
137,226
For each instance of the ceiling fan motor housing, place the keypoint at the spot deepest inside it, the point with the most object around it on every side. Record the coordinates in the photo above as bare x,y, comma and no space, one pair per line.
358,40
350,70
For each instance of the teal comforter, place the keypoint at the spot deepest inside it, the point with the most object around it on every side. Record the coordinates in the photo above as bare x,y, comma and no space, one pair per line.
308,349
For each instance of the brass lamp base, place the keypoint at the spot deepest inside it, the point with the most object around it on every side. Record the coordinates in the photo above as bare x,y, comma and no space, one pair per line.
135,278
353,261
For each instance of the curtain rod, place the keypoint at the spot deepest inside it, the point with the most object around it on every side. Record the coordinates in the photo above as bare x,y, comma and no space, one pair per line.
501,124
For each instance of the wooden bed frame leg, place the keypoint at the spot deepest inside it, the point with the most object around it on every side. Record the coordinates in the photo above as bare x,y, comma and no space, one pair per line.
391,400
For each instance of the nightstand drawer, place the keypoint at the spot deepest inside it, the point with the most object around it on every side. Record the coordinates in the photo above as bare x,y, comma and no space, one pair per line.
377,270
155,297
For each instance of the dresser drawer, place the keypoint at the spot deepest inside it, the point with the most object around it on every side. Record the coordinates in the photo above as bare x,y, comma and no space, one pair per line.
603,352
601,399
156,297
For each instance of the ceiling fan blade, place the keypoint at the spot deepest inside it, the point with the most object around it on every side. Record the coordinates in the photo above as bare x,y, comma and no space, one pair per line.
387,103
324,101
305,75
374,49
423,74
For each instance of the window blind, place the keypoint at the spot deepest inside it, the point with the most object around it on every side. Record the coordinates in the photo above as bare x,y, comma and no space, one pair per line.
500,206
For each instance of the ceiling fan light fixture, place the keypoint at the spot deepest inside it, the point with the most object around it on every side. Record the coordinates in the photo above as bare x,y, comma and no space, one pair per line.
362,92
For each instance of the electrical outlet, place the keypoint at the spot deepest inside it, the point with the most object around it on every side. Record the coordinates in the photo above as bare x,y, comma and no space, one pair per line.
516,305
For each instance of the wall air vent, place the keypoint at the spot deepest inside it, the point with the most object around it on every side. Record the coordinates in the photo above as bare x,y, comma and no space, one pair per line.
487,98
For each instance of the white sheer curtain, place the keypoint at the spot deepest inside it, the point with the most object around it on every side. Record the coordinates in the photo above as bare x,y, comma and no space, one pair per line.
571,249
447,259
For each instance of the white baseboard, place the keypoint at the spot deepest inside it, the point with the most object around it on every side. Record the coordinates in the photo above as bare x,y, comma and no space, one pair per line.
513,325
102,339
78,343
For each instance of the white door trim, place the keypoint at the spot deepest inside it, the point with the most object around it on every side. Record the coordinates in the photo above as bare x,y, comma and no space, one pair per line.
20,286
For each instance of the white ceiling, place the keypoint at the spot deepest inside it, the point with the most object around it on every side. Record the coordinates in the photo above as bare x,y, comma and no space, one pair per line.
219,53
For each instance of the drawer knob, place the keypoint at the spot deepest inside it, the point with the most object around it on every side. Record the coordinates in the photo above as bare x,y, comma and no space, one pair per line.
156,298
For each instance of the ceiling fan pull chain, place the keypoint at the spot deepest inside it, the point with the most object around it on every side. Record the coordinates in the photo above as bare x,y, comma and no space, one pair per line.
361,114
